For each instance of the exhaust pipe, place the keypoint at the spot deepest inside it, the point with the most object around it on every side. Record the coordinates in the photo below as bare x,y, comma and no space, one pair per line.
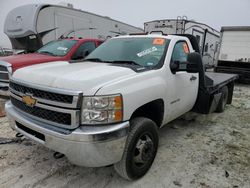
19,135
58,155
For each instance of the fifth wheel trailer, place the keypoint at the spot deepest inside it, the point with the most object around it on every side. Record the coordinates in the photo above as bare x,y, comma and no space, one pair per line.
207,37
31,26
234,52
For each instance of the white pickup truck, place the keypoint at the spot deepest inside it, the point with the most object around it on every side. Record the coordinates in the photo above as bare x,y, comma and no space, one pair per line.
108,109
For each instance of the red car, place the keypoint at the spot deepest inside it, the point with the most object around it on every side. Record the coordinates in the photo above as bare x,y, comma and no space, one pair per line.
58,50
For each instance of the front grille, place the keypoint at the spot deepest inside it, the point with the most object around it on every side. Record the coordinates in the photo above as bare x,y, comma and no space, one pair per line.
4,76
42,94
30,131
58,117
3,68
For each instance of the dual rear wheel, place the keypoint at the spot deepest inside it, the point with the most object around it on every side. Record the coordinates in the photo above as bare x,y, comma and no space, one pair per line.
223,100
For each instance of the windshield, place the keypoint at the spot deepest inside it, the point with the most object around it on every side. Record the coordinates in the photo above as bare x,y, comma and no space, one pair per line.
146,52
57,48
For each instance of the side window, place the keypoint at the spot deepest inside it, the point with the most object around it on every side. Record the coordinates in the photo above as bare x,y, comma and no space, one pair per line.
1,52
89,46
206,47
180,52
198,37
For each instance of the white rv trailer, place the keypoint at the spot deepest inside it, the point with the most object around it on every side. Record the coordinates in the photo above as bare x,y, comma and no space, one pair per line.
31,26
208,38
234,51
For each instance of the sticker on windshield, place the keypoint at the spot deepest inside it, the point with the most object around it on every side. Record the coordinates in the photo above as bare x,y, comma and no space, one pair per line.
185,48
62,48
150,63
158,41
147,51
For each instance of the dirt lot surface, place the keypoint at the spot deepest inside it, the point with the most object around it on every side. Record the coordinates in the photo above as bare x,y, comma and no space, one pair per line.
206,151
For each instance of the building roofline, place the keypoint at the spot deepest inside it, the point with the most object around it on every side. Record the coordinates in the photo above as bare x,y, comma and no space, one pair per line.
235,28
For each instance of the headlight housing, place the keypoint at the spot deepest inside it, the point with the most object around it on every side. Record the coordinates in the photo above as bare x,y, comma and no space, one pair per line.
9,68
102,109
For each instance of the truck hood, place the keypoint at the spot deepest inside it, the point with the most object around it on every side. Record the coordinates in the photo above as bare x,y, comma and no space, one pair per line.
23,60
87,77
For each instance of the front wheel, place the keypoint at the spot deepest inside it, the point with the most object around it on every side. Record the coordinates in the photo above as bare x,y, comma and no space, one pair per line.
140,150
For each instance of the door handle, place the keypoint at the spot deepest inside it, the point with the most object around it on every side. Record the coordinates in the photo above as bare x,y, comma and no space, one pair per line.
192,78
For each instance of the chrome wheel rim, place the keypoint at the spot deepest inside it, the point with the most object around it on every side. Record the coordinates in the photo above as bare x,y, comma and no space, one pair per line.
144,151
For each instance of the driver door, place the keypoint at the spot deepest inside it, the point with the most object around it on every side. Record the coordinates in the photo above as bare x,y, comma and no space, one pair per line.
185,85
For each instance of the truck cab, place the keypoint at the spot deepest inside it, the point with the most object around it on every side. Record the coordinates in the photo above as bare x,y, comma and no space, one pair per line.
58,50
5,52
107,109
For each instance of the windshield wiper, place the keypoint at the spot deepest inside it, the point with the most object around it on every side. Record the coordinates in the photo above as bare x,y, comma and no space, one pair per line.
126,62
46,52
114,62
94,60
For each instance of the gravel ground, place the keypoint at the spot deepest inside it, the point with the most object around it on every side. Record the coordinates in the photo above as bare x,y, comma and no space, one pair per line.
206,151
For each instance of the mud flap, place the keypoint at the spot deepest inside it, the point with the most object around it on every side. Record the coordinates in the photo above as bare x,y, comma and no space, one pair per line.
215,102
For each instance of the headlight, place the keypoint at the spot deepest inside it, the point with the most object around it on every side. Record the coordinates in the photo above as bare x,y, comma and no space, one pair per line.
102,109
9,68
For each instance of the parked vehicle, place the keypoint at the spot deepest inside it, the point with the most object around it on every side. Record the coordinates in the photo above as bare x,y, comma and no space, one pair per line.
234,53
45,22
5,51
108,109
208,38
57,50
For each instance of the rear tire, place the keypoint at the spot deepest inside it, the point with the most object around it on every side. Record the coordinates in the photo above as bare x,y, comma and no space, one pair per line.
140,149
223,100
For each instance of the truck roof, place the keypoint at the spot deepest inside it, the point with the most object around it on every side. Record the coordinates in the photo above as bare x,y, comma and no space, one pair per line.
152,36
79,39
191,38
235,28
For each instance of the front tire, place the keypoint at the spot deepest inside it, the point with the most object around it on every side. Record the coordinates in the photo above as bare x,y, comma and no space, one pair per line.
140,149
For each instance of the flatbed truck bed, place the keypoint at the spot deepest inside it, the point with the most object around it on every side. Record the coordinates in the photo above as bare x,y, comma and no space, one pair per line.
212,86
219,80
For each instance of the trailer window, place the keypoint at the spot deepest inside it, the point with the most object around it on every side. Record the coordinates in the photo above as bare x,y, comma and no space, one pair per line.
147,52
206,47
57,48
198,37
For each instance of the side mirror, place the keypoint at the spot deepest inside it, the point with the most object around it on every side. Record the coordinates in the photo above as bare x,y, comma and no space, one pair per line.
190,66
195,64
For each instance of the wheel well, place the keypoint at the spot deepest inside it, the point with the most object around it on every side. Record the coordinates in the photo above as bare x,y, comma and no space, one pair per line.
153,110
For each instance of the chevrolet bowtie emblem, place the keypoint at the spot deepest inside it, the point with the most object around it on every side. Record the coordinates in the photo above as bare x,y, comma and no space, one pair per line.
29,100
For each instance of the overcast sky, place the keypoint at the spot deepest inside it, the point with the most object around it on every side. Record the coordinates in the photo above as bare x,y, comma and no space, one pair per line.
215,13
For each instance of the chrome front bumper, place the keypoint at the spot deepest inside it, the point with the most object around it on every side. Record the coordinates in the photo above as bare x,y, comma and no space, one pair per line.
91,146
4,89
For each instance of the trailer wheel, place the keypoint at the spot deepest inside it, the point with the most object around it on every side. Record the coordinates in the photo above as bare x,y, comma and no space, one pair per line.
223,100
140,150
